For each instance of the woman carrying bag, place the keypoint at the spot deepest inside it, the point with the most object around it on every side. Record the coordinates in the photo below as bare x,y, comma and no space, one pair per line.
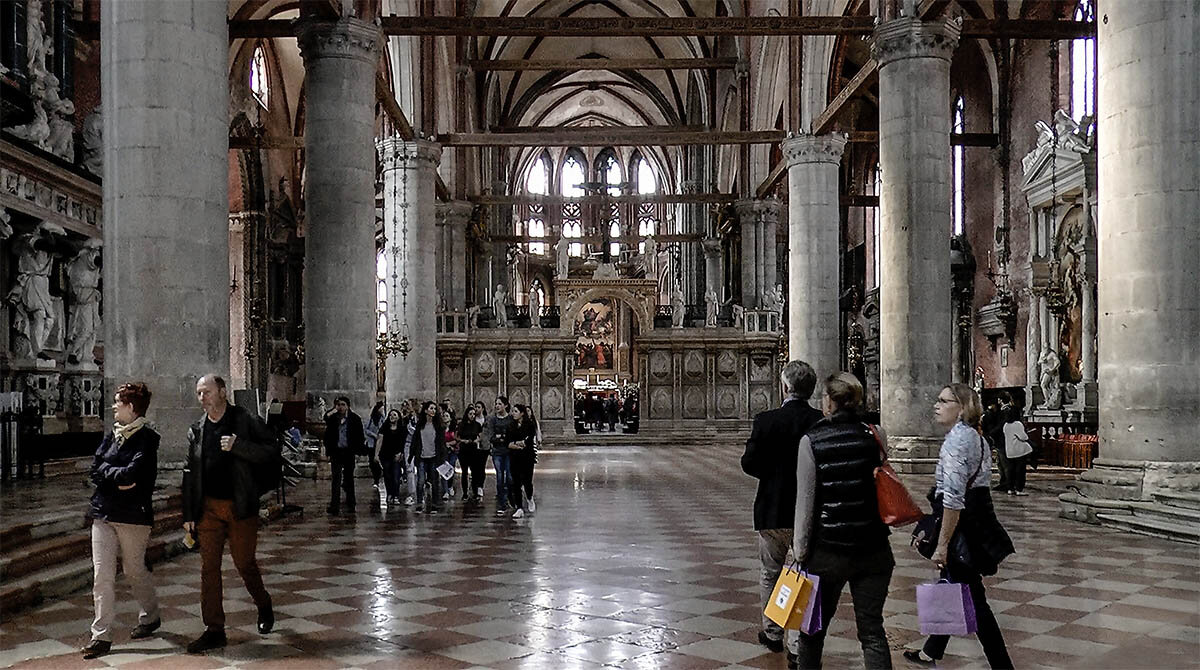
962,536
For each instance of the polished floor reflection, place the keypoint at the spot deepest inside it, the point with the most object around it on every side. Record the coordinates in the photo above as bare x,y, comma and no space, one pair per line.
636,558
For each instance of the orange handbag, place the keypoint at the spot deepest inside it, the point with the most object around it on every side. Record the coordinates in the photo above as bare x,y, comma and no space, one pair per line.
896,505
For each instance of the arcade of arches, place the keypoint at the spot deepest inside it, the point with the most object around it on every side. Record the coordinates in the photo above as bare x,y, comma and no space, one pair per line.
658,199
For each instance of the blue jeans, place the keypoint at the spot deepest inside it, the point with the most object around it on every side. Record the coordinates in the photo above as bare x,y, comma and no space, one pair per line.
427,472
503,479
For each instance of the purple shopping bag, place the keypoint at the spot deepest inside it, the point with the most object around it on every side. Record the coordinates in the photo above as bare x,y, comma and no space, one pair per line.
945,609
811,622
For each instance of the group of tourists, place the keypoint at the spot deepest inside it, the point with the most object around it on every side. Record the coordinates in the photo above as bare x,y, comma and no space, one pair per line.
817,510
417,448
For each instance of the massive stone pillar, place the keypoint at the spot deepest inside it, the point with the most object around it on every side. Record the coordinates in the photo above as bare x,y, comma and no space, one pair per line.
759,220
409,212
1149,312
164,81
813,236
914,203
340,58
453,218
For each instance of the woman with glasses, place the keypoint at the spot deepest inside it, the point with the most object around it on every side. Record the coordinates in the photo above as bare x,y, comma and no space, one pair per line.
962,493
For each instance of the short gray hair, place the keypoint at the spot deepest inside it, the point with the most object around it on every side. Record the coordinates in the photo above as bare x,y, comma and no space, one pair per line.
799,379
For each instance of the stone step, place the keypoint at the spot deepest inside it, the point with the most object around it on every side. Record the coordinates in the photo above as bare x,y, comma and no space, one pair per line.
57,468
1179,532
18,533
1157,510
1180,499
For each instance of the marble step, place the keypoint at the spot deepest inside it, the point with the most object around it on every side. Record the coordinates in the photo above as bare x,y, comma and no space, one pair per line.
1179,499
1155,526
1156,510
17,533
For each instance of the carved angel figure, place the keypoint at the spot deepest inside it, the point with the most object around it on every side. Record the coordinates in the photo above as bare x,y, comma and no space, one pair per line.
499,301
1048,379
711,305
83,277
677,306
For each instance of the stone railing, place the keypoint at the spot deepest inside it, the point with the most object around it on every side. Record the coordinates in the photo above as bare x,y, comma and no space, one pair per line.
453,323
761,321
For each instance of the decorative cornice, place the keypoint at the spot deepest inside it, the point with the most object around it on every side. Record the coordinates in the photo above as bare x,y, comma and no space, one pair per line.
345,38
396,153
806,148
758,209
909,37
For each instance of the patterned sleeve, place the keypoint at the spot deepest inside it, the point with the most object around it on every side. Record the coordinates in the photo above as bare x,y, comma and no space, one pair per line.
957,463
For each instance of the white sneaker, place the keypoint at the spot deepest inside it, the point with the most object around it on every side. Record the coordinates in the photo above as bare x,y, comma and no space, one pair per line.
532,506
501,511
479,492
409,501
519,513
446,496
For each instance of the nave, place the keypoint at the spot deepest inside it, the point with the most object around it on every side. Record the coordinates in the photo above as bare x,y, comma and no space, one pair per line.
636,558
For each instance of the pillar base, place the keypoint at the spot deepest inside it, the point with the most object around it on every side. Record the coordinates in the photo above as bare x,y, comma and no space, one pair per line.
1159,498
917,455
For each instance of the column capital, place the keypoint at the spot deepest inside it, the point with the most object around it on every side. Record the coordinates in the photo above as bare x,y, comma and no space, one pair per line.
454,213
345,38
806,148
397,153
909,37
764,209
690,186
711,246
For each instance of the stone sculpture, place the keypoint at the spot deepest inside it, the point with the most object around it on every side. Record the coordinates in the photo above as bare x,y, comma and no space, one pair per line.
6,230
677,306
1048,379
562,250
499,303
776,299
535,309
650,260
30,294
92,138
711,306
83,280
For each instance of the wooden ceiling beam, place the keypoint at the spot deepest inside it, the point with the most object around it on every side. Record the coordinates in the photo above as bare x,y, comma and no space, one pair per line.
606,64
594,239
861,81
609,136
657,198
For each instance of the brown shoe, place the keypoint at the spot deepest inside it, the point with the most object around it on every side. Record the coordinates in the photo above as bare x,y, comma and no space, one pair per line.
96,649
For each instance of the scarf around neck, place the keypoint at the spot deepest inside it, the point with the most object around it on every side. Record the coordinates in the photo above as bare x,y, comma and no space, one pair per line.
124,431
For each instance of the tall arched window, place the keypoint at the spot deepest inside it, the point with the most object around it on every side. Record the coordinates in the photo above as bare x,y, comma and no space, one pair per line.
957,160
643,176
381,296
258,76
572,177
1083,66
537,183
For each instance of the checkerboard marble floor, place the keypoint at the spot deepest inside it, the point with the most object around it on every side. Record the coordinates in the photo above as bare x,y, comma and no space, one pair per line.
637,558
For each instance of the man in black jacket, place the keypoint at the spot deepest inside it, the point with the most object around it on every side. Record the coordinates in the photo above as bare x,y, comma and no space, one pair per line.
220,501
771,458
344,438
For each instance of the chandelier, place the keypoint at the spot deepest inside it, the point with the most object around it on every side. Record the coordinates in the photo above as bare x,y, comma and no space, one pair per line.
395,339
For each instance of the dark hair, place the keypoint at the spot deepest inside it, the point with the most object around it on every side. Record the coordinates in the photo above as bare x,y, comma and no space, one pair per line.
799,378
480,407
504,399
136,394
342,398
423,417
526,415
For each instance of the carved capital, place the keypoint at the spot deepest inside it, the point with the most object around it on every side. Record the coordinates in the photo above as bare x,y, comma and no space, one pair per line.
756,210
400,154
346,38
454,213
711,246
805,148
912,38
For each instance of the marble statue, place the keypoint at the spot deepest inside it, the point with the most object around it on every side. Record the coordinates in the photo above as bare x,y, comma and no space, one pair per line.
563,255
776,299
650,259
739,316
677,306
6,230
1048,379
711,306
30,294
92,138
535,309
83,280
37,131
61,139
499,303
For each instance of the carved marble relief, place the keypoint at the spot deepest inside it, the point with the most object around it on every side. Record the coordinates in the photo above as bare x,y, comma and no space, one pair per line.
660,365
693,403
727,402
660,403
486,366
552,404
693,365
518,365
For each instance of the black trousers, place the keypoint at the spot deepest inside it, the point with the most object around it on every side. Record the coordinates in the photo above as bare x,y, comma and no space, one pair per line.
868,574
342,470
1016,473
474,460
1003,467
989,631
521,466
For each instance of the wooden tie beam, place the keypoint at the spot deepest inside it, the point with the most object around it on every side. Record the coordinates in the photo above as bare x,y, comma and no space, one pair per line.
606,64
657,198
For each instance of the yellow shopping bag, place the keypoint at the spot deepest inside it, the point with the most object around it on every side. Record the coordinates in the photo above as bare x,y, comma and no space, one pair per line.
788,600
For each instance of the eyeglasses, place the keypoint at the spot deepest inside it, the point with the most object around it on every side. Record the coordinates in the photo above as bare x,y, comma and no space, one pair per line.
945,401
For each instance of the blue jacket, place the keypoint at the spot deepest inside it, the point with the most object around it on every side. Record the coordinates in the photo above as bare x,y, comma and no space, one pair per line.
134,461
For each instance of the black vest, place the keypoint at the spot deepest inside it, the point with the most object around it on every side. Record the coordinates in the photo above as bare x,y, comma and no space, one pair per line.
846,511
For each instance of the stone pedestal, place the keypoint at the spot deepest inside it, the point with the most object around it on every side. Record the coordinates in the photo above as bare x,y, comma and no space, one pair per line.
759,220
166,273
1149,315
813,255
452,218
914,203
339,244
409,211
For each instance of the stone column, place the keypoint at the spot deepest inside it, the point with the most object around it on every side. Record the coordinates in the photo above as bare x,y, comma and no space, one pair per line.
409,211
455,216
813,221
340,58
712,267
758,219
165,83
1149,313
915,328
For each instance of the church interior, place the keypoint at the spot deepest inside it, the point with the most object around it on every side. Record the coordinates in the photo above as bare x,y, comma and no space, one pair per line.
626,216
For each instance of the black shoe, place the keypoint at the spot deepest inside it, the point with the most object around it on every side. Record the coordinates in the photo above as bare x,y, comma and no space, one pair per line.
774,645
208,640
145,629
332,511
914,656
793,661
96,649
266,621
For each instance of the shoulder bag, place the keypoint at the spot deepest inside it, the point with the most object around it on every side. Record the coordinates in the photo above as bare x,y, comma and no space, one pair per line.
896,505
